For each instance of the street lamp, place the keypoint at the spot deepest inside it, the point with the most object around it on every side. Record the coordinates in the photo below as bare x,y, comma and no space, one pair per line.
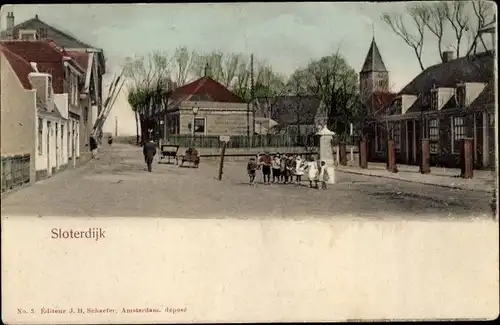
195,112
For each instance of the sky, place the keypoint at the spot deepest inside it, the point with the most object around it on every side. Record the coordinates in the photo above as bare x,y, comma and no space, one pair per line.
287,35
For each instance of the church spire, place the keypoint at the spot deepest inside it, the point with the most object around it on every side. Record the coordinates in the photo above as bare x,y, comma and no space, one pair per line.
373,60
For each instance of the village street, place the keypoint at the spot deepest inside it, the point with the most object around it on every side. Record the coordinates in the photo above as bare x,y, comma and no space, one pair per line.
117,184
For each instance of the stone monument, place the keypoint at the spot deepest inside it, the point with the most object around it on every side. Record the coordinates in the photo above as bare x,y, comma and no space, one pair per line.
325,152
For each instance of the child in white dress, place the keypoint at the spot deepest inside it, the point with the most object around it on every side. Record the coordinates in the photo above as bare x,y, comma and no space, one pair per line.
299,169
312,173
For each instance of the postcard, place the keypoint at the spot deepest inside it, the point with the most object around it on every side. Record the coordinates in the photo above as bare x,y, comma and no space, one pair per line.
249,162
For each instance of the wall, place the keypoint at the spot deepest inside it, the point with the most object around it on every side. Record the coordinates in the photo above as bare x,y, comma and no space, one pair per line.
58,145
220,118
18,112
61,101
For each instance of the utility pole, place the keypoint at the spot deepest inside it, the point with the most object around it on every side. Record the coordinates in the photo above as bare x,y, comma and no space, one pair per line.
252,96
116,126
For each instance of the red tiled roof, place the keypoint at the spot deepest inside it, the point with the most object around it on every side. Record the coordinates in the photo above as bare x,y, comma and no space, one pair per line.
48,57
81,58
205,89
20,66
378,101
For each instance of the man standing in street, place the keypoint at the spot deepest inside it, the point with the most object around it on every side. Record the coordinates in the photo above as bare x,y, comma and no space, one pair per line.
149,151
93,146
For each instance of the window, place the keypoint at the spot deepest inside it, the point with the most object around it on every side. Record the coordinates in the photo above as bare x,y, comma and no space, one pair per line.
75,89
49,87
69,90
434,136
27,35
460,96
396,135
380,140
397,106
425,99
459,132
199,125
40,136
434,99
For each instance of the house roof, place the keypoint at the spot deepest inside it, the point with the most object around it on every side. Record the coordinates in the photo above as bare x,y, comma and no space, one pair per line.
82,58
21,67
61,38
373,60
49,58
486,98
205,89
378,101
478,68
289,110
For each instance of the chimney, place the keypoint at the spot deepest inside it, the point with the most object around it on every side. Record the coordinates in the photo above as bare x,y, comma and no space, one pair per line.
208,71
447,56
10,25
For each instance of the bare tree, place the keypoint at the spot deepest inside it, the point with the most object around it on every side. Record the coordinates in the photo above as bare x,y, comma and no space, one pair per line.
453,22
149,86
414,39
183,61
223,66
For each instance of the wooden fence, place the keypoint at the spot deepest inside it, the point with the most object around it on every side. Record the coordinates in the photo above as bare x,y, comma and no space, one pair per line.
15,171
262,141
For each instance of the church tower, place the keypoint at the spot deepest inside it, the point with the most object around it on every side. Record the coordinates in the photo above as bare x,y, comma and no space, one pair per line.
373,75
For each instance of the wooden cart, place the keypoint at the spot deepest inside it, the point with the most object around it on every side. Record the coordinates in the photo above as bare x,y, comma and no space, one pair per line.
168,151
192,156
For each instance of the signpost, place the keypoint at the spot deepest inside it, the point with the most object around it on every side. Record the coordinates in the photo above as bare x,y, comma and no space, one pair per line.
224,139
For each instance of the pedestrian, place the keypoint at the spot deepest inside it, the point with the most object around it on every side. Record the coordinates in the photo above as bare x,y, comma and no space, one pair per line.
312,172
290,165
299,169
251,169
110,140
265,161
283,167
323,175
149,151
93,146
276,168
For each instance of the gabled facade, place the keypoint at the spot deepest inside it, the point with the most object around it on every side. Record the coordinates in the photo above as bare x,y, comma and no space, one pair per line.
206,107
90,58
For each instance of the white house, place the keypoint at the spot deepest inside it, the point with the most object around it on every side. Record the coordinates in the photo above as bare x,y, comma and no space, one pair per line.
57,133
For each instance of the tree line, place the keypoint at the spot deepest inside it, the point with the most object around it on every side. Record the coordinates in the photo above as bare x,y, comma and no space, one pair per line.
152,78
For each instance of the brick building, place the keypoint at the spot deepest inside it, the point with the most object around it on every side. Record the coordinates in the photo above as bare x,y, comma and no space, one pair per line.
445,103
205,107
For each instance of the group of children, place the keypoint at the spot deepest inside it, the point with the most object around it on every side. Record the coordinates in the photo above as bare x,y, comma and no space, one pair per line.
287,169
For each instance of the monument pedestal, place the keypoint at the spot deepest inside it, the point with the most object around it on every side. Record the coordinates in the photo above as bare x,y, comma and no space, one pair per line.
326,154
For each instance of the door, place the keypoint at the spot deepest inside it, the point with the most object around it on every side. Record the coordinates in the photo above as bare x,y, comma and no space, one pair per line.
410,144
478,140
56,142
49,166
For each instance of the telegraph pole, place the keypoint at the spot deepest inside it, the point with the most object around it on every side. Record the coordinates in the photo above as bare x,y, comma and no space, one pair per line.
252,96
116,126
